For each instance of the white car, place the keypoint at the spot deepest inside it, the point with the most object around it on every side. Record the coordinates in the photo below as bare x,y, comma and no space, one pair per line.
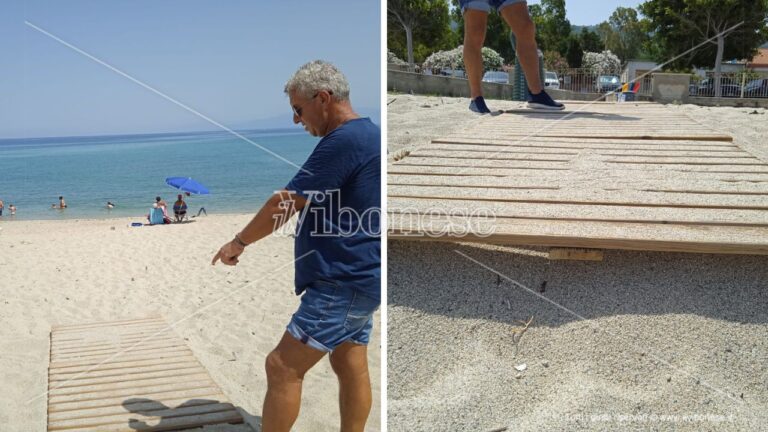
551,80
496,77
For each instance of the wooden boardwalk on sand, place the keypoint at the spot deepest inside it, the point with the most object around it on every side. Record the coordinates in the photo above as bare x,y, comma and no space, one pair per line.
610,176
130,375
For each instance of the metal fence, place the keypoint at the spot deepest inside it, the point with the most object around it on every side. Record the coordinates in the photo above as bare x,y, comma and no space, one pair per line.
587,81
742,84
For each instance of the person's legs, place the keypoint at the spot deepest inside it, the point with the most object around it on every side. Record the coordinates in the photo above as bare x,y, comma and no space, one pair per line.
286,366
475,22
350,363
517,17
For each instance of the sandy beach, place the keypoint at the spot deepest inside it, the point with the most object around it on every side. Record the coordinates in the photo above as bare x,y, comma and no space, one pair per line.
638,341
82,271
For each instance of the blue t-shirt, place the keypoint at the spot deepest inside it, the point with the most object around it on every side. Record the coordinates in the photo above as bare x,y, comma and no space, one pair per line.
340,224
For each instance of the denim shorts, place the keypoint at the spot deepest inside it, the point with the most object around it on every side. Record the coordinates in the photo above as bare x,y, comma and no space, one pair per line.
330,315
486,5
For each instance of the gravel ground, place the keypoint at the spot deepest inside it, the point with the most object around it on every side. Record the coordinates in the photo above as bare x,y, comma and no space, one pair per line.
639,341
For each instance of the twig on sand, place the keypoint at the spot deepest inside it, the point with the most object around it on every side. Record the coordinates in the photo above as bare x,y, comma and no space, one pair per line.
518,332
393,99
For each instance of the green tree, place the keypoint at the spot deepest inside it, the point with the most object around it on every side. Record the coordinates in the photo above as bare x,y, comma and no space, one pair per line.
416,28
736,29
552,26
590,41
574,51
623,34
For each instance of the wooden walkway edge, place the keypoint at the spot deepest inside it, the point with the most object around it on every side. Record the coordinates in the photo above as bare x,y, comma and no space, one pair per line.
129,375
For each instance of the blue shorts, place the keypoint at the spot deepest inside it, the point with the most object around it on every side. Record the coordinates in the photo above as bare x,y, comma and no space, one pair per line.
486,5
330,315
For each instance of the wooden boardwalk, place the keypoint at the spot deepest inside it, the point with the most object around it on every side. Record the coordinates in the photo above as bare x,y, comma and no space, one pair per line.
130,375
611,176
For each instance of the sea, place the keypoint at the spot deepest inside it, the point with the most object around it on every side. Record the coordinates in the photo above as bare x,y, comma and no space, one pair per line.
130,171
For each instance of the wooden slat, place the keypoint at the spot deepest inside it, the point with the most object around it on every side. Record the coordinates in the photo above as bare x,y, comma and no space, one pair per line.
580,212
134,406
150,417
595,235
129,375
59,328
575,254
123,364
175,423
602,197
90,379
118,401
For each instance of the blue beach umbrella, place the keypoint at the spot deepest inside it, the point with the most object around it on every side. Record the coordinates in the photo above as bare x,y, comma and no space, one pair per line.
186,184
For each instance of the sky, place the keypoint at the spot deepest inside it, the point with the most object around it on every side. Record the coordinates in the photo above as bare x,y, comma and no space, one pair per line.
227,60
591,12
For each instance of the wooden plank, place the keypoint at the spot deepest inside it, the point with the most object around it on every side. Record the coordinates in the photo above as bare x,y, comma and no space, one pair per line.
132,383
170,424
151,417
579,143
606,235
166,353
89,379
575,212
64,327
602,197
123,364
575,254
118,401
134,406
110,342
100,382
132,349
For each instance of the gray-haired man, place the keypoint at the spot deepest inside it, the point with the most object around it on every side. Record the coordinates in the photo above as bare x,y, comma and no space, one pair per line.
338,246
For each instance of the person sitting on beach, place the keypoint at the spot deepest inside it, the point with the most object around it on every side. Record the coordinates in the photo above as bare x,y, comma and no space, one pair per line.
337,275
62,203
1,207
110,206
12,208
180,208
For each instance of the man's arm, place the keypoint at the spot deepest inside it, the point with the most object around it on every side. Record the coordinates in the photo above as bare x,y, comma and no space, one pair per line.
273,214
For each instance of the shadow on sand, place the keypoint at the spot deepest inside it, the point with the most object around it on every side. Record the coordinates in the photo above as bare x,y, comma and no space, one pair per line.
156,416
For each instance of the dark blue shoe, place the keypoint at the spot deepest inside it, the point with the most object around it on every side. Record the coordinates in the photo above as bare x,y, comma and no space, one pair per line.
478,105
543,101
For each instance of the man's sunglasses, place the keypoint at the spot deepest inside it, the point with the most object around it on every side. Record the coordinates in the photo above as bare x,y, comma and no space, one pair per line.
297,110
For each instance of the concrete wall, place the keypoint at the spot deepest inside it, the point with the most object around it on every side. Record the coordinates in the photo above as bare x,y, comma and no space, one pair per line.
407,82
669,87
733,102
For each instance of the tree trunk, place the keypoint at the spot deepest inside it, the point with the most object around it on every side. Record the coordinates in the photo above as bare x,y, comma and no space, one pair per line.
409,45
718,64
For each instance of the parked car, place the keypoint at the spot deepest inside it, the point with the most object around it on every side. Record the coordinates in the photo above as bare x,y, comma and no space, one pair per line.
457,73
551,80
728,88
756,89
608,83
496,77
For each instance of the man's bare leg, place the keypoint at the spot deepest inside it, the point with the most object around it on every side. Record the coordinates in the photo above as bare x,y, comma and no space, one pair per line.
350,363
475,23
517,17
286,366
